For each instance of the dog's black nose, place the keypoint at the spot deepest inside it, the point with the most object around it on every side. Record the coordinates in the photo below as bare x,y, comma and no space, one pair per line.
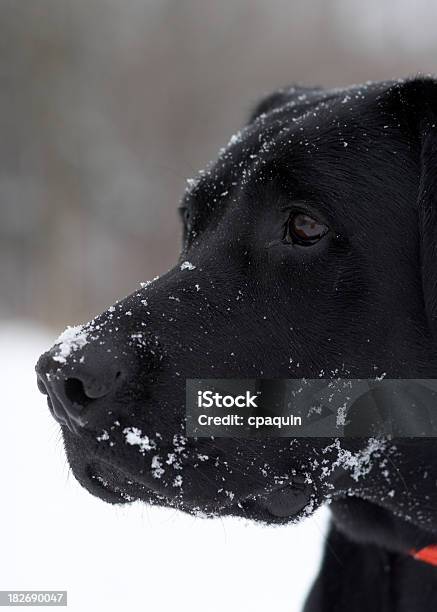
73,391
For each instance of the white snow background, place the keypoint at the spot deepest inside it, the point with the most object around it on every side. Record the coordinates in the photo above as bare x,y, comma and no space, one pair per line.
55,535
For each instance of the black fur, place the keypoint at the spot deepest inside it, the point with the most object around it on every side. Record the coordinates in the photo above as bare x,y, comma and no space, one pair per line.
360,303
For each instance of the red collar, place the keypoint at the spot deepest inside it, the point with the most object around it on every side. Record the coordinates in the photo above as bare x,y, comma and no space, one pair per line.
427,554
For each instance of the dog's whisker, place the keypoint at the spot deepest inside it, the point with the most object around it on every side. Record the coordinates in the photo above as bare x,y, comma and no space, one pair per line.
398,471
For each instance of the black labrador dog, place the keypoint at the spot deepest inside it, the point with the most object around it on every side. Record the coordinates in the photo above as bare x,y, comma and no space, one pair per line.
309,249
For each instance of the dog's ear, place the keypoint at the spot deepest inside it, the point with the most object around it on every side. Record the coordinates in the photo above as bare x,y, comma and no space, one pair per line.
296,93
415,104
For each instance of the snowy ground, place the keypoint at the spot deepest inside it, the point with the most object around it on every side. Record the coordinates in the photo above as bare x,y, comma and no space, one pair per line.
54,535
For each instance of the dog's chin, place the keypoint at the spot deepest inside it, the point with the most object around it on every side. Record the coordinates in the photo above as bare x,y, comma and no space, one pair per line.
282,505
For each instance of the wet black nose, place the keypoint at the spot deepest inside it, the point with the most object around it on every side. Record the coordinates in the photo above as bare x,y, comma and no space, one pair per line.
72,393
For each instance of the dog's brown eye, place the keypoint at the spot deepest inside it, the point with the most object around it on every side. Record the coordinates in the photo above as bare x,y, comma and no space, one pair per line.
305,230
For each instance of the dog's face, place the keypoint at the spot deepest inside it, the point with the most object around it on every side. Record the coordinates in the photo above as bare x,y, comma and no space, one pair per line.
304,254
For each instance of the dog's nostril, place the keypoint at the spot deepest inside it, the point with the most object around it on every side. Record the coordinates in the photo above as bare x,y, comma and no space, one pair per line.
75,392
84,389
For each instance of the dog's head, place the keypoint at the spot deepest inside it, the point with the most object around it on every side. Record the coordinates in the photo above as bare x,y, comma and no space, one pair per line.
309,250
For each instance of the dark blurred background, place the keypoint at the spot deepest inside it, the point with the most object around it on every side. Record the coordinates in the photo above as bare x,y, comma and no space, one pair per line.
107,106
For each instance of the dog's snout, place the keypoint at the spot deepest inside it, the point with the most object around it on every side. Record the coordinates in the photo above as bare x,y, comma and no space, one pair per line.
74,392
